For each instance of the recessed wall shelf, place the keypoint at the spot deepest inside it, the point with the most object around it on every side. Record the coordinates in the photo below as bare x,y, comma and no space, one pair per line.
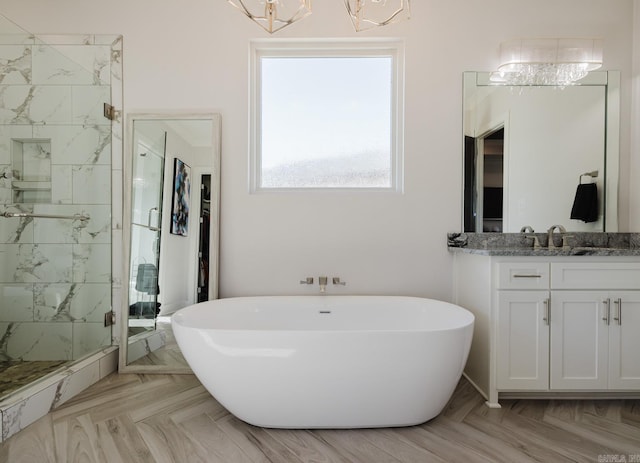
31,164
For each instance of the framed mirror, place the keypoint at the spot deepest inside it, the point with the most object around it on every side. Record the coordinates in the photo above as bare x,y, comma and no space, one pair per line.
526,150
171,238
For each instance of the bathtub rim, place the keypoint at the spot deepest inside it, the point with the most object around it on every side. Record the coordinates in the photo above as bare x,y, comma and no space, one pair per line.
470,318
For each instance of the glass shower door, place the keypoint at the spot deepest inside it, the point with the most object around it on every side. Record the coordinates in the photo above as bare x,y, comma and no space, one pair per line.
56,216
146,220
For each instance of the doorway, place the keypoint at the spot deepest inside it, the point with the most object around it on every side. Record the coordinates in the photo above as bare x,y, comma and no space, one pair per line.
204,238
492,181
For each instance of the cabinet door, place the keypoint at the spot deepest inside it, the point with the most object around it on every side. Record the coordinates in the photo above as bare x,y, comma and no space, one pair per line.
624,340
579,340
522,342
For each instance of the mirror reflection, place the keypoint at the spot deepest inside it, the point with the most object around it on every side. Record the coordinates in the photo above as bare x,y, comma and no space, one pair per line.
173,246
538,156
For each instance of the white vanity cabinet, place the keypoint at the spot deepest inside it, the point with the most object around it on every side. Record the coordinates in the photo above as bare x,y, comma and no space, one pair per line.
595,325
595,340
522,328
563,326
522,340
624,342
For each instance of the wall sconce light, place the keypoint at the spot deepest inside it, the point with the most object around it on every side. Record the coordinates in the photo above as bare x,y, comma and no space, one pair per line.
273,15
555,62
367,14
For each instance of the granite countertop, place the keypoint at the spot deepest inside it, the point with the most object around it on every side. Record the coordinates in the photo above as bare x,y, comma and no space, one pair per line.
521,244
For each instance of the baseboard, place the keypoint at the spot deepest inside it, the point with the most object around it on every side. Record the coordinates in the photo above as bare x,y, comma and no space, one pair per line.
477,388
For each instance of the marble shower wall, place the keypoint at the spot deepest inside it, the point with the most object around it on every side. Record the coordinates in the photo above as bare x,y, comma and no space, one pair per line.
56,274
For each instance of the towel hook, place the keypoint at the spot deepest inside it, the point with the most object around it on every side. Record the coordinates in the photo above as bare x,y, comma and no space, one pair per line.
592,174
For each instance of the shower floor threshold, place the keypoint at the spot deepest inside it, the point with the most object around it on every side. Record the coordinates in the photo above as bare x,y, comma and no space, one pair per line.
14,375
31,402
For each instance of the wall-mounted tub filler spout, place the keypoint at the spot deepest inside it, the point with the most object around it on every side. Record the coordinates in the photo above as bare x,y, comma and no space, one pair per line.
336,281
307,281
550,243
323,284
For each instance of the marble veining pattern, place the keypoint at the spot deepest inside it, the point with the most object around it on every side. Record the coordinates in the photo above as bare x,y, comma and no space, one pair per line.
6,333
37,341
16,301
32,263
91,263
88,337
91,184
53,302
17,374
90,302
144,344
77,144
71,65
15,64
65,231
52,88
17,229
28,404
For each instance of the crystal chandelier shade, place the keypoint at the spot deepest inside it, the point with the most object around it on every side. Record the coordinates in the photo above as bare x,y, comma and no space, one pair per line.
273,15
367,14
555,62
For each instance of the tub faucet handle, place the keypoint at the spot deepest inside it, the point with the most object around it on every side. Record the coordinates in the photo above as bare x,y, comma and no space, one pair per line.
336,281
307,281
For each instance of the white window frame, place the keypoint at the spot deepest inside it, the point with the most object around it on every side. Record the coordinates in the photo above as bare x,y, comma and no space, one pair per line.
310,48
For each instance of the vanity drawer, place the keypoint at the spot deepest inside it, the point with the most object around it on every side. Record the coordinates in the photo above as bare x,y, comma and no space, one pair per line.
523,275
613,275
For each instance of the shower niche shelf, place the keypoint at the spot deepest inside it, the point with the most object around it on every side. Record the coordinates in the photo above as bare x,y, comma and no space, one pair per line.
31,170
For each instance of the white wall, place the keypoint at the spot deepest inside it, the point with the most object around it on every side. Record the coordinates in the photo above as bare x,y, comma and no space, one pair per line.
174,290
177,274
634,180
194,56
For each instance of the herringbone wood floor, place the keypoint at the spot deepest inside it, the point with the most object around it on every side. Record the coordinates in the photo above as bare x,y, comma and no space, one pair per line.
170,418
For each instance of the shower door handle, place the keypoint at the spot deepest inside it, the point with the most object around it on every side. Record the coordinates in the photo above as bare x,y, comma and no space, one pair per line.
149,219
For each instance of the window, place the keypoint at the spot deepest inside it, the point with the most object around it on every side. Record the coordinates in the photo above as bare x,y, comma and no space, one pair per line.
326,115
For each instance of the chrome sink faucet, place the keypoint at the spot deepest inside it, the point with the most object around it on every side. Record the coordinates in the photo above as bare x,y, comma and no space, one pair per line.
550,243
536,241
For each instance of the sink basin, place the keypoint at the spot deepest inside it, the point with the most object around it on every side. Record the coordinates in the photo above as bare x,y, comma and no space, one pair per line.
588,250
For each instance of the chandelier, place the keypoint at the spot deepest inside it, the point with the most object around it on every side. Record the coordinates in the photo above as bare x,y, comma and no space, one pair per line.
554,62
367,14
273,15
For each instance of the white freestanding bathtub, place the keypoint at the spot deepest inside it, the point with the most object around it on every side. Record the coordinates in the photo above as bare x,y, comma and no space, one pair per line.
327,361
